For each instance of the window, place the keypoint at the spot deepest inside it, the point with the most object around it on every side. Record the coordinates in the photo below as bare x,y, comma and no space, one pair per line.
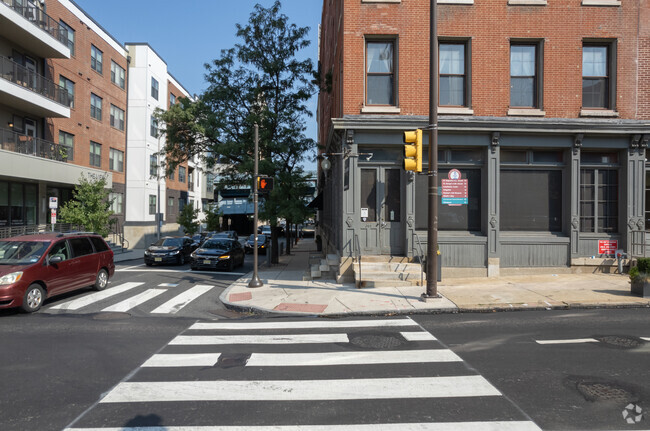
531,190
170,202
598,192
380,74
70,37
181,174
116,160
152,204
117,202
96,59
117,75
153,165
154,88
453,74
95,154
172,99
95,107
598,83
66,141
209,183
117,117
153,130
525,76
171,176
69,86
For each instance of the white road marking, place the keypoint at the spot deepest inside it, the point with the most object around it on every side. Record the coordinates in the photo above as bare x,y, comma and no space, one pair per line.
168,285
351,358
305,325
645,338
575,340
418,336
297,390
78,303
129,267
134,301
197,340
176,303
183,360
432,426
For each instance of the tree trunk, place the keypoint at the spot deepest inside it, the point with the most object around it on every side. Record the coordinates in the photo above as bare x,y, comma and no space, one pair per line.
287,234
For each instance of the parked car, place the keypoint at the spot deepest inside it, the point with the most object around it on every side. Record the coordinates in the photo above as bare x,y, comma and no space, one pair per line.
218,253
264,230
308,230
169,249
262,244
225,234
36,267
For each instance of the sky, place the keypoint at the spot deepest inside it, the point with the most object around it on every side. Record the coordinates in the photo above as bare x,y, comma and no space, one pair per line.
187,34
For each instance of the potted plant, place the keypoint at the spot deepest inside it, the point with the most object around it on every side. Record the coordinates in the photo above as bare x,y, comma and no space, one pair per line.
640,277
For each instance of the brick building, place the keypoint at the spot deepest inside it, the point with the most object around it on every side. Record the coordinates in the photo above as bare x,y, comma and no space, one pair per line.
544,108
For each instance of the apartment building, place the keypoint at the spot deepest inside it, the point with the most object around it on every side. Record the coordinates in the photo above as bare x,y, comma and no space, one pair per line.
544,110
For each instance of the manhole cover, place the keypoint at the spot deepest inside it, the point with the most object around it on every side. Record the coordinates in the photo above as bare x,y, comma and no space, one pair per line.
111,316
604,392
376,341
620,341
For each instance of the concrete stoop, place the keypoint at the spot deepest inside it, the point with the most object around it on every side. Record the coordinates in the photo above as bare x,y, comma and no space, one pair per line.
321,268
387,271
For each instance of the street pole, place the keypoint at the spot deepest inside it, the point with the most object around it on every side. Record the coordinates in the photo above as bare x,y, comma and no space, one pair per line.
158,218
255,281
432,226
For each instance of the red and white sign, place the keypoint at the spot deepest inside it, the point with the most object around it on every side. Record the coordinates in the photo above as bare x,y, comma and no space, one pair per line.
53,216
607,246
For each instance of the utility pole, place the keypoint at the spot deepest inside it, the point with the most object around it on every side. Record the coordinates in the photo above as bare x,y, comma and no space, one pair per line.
432,227
255,281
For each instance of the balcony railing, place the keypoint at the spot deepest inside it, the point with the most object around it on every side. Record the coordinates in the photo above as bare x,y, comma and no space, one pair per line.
18,74
25,144
41,20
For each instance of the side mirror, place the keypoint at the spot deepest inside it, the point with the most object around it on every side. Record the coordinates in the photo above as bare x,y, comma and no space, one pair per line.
55,259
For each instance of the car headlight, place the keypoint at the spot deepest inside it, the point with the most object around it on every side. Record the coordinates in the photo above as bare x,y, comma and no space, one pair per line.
225,256
11,278
193,255
147,252
175,252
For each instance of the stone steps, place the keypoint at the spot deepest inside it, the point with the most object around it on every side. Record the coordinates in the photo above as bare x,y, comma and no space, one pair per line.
387,271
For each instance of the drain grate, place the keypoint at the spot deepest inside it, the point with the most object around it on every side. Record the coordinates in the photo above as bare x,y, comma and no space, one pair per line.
376,341
620,341
598,391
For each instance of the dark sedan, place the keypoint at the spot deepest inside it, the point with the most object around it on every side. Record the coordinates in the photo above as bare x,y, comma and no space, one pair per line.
262,244
218,253
170,249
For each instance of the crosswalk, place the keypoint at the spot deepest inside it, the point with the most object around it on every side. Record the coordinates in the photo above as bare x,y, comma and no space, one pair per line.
296,375
130,295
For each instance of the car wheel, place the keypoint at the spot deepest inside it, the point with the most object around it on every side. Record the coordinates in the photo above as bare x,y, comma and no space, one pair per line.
180,259
33,299
102,280
148,263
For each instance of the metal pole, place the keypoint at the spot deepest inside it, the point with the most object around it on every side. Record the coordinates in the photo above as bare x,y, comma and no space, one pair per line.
432,228
158,218
255,281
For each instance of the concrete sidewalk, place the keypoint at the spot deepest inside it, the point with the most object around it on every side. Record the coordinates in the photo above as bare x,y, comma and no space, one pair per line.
284,291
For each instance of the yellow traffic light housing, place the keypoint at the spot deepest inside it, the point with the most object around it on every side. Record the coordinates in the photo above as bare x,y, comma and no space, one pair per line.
413,150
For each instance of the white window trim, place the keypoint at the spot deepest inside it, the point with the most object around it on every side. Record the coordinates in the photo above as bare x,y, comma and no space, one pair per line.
527,2
601,2
455,1
526,112
380,110
381,1
598,113
455,111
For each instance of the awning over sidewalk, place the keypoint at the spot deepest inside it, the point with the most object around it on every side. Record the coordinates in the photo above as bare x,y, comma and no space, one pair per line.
317,203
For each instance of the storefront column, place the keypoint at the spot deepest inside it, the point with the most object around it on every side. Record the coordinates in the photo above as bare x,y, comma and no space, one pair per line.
493,159
635,193
575,196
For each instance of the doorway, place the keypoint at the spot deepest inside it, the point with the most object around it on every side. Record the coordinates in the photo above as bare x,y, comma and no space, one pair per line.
381,229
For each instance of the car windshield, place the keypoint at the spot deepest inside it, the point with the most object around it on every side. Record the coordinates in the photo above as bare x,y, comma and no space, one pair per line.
260,238
21,252
217,244
169,242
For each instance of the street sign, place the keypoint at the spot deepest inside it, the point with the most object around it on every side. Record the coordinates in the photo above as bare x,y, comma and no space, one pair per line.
54,203
607,246
53,216
454,189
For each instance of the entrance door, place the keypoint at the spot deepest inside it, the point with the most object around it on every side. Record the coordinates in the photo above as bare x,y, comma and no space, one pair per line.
381,211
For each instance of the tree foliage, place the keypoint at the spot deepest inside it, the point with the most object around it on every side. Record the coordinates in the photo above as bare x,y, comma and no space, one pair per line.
258,81
188,219
212,216
90,206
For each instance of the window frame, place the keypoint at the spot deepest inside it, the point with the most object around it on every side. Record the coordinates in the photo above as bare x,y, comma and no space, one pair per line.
182,174
69,148
595,168
112,160
153,127
71,40
155,88
120,120
466,43
68,84
153,165
118,75
152,204
95,158
393,40
610,46
538,78
96,107
117,202
96,59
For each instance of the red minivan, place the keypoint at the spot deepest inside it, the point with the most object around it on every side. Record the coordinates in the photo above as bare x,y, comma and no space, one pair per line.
36,267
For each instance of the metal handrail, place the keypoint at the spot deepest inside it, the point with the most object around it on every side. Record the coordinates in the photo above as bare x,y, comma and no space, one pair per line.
417,239
357,247
20,75
41,20
25,144
7,232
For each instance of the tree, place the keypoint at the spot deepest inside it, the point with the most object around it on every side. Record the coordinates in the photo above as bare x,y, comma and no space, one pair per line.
212,218
90,206
261,81
188,219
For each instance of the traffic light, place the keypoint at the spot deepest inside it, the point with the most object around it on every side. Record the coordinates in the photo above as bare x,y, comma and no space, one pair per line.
264,184
413,150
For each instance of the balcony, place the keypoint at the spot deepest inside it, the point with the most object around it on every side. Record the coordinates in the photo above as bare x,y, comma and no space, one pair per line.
31,28
27,90
24,144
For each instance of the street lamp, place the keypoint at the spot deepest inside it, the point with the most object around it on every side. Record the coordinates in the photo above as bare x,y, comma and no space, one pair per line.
255,281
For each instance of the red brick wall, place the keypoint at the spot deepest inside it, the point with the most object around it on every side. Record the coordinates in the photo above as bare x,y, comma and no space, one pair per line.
491,24
175,184
77,69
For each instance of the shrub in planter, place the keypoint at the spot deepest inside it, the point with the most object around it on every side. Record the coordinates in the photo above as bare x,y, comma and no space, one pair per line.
640,277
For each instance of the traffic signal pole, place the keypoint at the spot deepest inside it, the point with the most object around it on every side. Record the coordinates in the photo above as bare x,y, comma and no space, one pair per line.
255,281
432,227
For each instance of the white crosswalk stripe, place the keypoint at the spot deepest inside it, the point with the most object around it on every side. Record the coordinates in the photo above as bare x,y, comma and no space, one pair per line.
84,301
134,301
227,376
176,303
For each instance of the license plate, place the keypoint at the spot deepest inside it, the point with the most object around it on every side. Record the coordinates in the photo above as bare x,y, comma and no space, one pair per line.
206,262
157,259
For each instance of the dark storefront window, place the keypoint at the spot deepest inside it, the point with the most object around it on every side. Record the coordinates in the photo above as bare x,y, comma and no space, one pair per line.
531,200
4,204
18,204
598,192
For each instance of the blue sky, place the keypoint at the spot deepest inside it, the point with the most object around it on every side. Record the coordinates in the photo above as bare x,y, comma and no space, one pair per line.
190,33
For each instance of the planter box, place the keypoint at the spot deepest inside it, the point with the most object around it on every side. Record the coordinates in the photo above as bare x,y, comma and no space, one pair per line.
641,288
